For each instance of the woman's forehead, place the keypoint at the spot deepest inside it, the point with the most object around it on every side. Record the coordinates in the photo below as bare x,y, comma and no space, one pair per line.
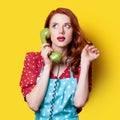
60,18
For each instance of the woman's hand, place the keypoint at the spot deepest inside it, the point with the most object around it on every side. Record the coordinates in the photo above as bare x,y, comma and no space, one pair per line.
46,51
89,53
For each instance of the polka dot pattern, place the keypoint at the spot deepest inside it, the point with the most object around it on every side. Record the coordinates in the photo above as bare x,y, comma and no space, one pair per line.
32,66
64,108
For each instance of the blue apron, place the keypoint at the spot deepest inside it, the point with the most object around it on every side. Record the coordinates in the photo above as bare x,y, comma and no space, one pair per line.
63,106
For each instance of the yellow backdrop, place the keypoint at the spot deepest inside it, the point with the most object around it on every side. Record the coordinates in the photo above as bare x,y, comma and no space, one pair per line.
20,25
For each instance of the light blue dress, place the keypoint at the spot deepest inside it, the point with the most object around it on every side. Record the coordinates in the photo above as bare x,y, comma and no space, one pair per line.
63,106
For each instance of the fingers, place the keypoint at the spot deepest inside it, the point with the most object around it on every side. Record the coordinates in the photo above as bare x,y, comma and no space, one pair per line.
46,50
45,53
90,53
92,49
45,45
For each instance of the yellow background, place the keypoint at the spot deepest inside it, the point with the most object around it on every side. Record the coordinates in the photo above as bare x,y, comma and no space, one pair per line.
20,25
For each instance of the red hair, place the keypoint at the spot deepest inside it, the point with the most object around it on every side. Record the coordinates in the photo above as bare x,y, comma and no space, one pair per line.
78,42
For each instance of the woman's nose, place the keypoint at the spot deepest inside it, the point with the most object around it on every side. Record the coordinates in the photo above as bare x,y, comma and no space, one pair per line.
61,30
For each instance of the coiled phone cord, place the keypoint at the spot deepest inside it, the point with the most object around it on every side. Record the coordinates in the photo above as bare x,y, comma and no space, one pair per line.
54,94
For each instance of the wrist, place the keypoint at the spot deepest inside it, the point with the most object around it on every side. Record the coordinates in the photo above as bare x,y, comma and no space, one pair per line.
85,66
85,63
47,67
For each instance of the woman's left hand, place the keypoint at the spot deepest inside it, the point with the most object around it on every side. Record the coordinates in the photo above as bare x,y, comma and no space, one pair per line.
89,53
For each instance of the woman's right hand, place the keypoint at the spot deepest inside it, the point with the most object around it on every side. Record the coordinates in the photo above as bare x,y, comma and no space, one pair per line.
46,51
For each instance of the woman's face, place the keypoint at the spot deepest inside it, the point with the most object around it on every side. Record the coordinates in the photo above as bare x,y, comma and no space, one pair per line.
61,30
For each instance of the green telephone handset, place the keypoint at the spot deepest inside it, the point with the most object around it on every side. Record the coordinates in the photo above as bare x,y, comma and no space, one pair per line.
55,56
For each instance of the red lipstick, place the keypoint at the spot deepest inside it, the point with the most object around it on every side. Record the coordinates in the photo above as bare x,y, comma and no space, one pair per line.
60,38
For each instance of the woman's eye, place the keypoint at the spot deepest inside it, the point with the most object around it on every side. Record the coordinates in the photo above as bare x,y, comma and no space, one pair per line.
55,25
68,26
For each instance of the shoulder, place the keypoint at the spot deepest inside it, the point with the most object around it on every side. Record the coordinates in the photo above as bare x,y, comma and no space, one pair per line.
33,59
33,55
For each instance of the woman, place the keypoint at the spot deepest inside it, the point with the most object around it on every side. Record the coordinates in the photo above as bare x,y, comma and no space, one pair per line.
58,91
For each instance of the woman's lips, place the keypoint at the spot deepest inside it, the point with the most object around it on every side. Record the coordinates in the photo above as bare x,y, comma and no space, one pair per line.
61,38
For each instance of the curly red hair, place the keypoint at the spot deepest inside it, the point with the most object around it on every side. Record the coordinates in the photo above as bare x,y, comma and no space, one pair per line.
79,39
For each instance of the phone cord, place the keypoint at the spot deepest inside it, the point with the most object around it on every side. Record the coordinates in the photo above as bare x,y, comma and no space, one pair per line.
54,94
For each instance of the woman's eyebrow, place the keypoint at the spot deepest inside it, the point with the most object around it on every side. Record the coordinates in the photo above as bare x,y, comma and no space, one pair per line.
64,23
54,23
68,23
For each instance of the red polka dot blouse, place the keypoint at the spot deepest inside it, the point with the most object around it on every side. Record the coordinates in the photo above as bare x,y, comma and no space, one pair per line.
33,64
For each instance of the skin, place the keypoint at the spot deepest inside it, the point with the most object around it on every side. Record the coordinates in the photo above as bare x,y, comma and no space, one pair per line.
60,26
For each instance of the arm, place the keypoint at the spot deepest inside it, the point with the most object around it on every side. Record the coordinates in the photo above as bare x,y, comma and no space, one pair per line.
82,90
36,96
89,53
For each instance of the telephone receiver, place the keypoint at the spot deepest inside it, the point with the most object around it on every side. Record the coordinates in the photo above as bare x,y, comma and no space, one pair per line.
54,56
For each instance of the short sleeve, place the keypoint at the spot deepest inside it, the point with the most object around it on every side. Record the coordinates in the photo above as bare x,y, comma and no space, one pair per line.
29,73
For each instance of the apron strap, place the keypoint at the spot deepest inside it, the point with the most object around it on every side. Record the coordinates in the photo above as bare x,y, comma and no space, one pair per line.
71,73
